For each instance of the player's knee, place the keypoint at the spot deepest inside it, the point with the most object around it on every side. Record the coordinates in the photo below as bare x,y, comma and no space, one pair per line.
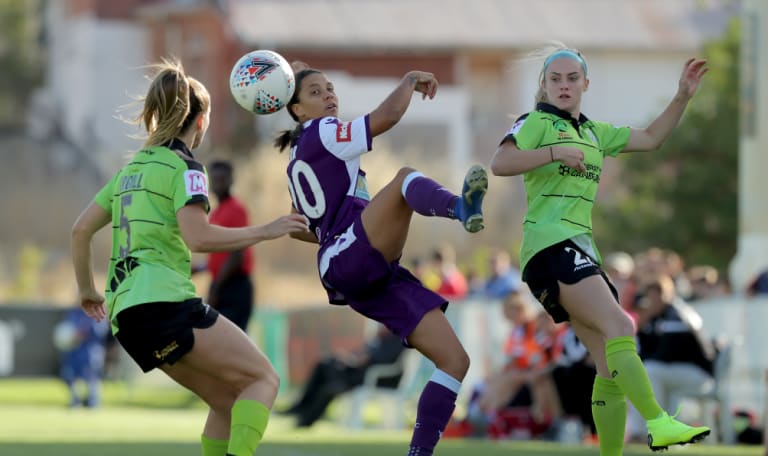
402,173
624,325
457,364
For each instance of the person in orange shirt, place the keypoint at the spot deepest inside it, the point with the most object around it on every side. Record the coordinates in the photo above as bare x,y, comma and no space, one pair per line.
232,287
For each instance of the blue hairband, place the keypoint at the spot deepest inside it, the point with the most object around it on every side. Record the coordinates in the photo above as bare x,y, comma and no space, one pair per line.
566,53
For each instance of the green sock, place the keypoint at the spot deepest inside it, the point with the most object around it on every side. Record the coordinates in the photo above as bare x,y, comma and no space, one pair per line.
629,373
609,409
249,421
214,447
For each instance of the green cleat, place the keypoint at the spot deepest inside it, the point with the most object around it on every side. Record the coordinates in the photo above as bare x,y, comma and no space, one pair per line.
666,430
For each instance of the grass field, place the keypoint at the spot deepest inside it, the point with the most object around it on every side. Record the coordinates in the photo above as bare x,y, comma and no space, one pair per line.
166,421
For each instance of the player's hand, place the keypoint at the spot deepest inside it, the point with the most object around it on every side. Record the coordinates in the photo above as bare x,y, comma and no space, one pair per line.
570,157
293,223
693,70
92,303
424,83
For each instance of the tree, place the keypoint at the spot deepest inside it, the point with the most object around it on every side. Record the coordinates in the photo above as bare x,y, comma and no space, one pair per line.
20,57
684,196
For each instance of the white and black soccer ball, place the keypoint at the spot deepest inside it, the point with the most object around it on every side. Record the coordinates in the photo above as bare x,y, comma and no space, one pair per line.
262,82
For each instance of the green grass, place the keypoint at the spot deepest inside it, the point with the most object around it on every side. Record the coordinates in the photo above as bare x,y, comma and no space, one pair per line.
155,420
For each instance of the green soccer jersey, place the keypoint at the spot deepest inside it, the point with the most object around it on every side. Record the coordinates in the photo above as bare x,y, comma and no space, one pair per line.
560,199
150,261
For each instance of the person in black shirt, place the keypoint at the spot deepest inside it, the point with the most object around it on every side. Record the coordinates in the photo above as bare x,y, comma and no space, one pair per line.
344,371
677,354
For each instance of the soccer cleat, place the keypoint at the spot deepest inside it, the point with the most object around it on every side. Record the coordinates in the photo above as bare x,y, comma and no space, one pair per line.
470,207
666,430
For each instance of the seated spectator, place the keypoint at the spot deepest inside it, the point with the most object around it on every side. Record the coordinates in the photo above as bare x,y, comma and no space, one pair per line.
677,355
82,342
344,371
758,285
504,278
620,267
453,284
574,375
705,283
525,380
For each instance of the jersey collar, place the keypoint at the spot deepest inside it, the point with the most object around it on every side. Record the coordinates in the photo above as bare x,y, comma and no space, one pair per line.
177,144
550,109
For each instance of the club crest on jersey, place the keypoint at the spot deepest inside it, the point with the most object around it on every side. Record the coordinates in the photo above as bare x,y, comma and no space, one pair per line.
344,132
195,183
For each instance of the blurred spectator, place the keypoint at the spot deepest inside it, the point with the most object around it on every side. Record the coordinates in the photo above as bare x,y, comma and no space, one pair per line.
758,285
453,284
427,276
504,278
620,267
232,290
344,371
675,351
705,283
574,376
82,343
525,381
676,270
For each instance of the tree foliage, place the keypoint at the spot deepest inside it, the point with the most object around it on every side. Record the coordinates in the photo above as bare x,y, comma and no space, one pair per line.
684,196
20,58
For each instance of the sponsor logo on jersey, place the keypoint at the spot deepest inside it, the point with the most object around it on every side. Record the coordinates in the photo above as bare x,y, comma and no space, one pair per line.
344,132
195,183
593,172
562,130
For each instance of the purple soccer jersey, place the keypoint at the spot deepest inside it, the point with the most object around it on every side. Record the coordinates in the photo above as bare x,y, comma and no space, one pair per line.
324,175
329,188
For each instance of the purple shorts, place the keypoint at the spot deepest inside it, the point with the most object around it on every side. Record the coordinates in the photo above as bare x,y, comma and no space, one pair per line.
355,273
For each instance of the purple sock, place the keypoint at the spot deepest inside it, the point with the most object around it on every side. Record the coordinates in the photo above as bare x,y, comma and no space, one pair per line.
427,197
435,408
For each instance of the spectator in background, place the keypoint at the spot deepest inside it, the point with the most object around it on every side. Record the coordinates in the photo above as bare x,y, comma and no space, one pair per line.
675,351
705,283
574,374
758,285
232,290
504,278
525,380
453,284
620,267
675,268
344,371
426,275
82,342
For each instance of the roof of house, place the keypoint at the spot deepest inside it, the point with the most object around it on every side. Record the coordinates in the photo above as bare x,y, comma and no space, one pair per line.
478,24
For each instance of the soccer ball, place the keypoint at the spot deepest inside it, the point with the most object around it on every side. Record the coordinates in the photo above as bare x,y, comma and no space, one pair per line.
262,82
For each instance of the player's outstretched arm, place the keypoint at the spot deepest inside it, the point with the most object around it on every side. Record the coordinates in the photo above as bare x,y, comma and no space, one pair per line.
92,219
201,236
652,137
392,109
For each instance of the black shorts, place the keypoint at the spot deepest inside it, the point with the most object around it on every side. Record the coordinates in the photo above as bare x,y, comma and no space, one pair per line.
161,332
563,262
